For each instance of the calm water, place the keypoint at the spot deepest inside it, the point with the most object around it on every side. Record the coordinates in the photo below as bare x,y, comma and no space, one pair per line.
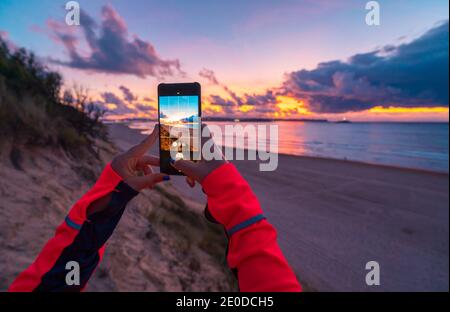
412,145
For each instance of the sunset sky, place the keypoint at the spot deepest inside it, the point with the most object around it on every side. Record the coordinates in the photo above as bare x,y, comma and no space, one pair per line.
286,59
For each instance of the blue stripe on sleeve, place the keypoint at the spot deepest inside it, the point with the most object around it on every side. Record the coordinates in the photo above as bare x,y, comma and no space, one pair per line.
72,224
245,224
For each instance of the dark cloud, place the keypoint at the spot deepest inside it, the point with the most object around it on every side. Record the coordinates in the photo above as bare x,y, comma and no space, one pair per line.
228,106
144,108
61,34
111,49
111,98
218,100
127,94
265,99
127,103
237,99
408,75
263,102
209,75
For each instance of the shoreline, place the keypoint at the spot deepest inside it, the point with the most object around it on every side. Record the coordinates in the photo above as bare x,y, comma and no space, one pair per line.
362,163
108,122
350,161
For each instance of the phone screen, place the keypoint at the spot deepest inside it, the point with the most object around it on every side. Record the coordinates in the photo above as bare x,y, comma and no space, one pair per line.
179,120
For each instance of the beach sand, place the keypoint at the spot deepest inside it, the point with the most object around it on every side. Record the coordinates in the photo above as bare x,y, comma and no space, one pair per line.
334,216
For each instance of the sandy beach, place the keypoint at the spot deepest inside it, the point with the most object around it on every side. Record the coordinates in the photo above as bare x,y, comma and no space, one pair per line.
334,216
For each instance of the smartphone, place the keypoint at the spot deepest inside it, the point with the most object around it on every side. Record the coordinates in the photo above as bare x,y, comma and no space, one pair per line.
179,111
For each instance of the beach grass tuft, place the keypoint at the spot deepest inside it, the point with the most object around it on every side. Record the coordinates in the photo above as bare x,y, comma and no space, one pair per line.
35,110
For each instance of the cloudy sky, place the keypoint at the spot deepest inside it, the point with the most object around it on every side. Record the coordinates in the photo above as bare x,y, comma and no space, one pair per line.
285,59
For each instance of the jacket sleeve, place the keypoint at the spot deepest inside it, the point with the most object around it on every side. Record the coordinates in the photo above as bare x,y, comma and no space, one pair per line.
79,238
253,250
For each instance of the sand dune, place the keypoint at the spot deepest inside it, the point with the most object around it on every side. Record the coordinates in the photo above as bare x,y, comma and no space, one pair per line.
162,242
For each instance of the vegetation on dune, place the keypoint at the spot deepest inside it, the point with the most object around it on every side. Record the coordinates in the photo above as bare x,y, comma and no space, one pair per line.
190,232
34,109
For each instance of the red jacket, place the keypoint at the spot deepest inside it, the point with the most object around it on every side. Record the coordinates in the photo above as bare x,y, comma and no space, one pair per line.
253,251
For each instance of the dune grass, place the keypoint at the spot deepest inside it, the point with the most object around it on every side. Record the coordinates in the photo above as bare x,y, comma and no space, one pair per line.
34,110
192,230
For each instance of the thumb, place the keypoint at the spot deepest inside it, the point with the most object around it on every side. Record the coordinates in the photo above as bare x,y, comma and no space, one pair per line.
148,181
189,168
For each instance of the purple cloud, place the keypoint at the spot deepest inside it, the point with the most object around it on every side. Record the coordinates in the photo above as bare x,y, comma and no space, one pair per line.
111,98
408,75
127,94
218,100
265,99
209,75
111,50
263,102
126,104
144,108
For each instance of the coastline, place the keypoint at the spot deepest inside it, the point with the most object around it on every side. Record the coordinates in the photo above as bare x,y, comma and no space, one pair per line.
137,133
333,216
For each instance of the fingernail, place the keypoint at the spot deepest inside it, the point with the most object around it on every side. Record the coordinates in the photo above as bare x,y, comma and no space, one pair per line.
166,178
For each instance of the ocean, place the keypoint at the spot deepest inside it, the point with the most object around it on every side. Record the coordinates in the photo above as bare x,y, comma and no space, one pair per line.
409,145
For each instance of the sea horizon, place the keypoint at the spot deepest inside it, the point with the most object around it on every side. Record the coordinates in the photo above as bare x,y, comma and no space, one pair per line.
414,145
268,120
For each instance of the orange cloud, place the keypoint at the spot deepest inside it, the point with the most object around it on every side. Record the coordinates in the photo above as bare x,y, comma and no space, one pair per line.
396,110
288,106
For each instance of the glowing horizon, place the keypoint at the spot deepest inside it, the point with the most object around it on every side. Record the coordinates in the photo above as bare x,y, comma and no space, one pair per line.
249,61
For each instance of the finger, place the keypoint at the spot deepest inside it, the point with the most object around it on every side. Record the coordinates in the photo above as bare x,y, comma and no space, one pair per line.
147,160
188,167
145,145
190,181
147,170
148,181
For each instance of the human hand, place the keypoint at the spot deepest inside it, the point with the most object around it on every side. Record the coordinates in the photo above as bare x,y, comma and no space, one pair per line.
198,171
135,167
